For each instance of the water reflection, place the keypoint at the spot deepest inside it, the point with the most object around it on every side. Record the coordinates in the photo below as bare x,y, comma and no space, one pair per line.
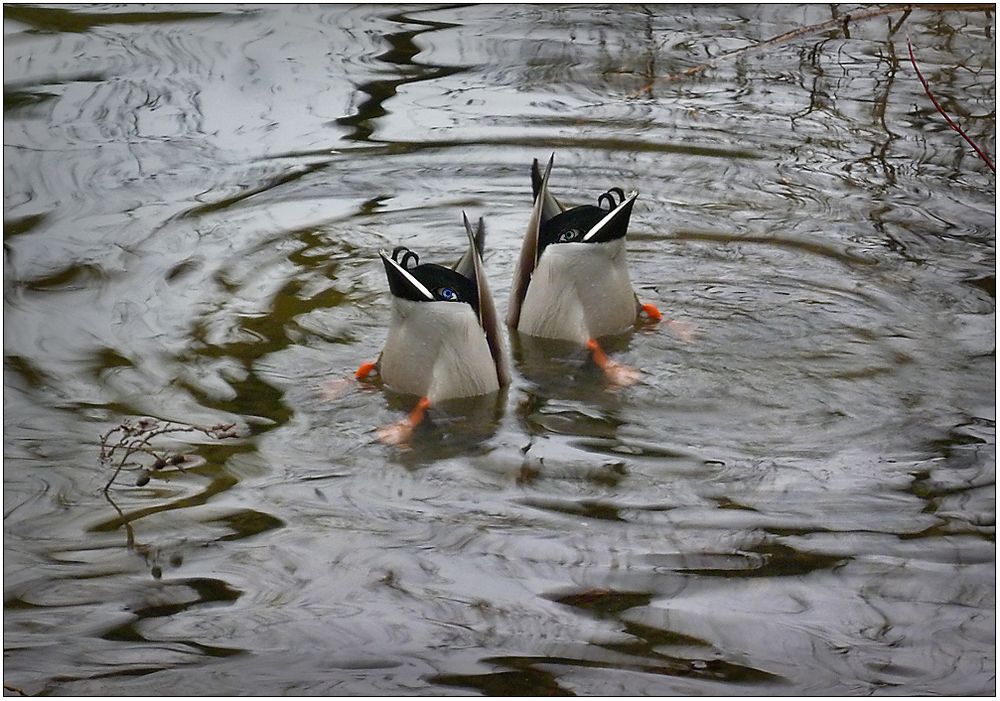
800,501
402,53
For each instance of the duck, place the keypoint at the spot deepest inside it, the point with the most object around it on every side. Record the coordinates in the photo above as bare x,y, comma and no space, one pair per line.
444,337
571,280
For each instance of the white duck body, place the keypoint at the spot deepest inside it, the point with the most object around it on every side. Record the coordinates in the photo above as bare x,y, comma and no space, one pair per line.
574,290
437,350
579,291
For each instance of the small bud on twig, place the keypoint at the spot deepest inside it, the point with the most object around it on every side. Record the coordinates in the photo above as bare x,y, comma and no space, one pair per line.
137,438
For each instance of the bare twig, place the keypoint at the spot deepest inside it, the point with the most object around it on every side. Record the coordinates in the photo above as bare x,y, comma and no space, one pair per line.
129,531
136,438
894,29
843,20
953,125
840,21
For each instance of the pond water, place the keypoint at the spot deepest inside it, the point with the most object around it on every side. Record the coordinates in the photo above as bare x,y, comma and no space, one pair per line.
797,499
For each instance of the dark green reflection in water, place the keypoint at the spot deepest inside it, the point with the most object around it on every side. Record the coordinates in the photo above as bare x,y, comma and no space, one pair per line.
401,55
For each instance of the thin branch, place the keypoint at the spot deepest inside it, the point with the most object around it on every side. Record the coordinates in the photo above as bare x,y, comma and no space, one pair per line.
136,438
844,20
892,29
129,531
953,125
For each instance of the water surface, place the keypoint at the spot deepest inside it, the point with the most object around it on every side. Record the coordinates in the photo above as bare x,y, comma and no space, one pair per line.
800,500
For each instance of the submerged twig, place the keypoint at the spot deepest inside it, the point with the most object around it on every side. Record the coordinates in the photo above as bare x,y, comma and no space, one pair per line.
952,124
129,531
894,29
843,20
136,438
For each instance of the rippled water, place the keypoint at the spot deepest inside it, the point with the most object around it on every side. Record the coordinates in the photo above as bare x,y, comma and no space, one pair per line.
799,500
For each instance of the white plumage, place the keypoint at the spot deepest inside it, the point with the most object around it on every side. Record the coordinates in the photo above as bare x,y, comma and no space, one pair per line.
576,291
579,291
437,350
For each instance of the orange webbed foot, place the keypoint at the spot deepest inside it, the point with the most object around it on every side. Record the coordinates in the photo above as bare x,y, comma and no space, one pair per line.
617,373
400,432
684,330
364,370
337,388
621,375
651,312
332,390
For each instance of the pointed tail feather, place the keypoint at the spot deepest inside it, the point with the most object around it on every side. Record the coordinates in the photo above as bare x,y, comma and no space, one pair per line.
529,249
488,317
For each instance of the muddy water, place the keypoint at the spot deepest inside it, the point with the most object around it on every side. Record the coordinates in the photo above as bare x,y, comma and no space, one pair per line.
798,500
